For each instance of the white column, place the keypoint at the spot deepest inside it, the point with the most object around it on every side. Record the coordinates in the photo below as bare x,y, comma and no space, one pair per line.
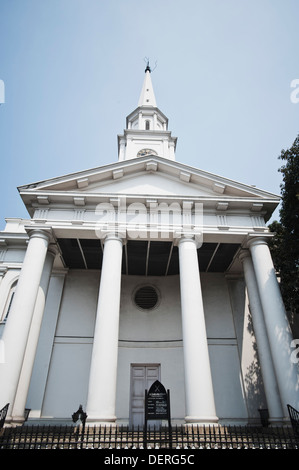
100,406
17,326
29,357
279,332
264,353
200,405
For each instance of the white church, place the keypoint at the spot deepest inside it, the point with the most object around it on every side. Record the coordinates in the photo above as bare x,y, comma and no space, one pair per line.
141,270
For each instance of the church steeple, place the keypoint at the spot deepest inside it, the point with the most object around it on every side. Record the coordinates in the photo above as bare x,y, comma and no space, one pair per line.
147,128
147,96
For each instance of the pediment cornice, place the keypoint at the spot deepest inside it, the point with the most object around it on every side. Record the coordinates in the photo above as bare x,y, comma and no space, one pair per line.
129,168
88,185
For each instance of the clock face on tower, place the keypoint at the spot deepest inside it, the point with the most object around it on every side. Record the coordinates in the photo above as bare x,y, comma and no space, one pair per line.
145,152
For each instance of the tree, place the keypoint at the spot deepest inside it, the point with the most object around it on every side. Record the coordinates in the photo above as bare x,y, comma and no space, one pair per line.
285,243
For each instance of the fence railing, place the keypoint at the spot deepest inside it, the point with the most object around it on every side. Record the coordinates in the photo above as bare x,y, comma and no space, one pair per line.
181,437
294,417
3,413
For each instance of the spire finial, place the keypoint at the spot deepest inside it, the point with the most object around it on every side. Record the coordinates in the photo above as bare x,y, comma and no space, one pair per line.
148,69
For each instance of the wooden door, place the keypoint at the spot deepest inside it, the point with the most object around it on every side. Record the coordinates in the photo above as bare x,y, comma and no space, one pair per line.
142,377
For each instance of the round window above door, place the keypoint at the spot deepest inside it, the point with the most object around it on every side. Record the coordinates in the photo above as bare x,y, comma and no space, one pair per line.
146,297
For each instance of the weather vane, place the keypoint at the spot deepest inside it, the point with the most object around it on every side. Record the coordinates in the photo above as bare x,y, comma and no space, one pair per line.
148,68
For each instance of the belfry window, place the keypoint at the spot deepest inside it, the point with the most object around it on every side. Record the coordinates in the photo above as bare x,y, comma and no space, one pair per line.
147,125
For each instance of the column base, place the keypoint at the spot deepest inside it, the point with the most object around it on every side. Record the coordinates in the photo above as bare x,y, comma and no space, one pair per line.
104,421
201,420
14,421
276,421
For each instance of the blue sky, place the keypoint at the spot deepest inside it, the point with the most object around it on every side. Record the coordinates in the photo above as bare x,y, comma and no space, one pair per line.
73,71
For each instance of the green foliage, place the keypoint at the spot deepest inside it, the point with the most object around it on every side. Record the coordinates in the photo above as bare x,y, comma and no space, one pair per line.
285,244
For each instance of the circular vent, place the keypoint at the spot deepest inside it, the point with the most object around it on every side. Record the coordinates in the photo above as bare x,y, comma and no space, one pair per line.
146,297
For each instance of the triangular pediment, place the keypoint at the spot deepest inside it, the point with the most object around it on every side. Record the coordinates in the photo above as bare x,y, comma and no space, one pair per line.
147,176
149,183
148,173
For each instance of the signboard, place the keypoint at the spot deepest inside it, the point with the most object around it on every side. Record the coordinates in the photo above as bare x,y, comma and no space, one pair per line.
157,406
157,402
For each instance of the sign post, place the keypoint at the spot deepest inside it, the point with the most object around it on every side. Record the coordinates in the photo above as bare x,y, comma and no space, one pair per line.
157,407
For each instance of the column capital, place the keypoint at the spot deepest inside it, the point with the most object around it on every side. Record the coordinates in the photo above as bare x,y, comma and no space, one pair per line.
244,253
188,238
253,240
53,250
39,232
121,237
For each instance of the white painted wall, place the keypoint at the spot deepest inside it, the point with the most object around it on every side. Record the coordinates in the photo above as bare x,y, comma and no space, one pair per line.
247,348
67,378
78,304
60,374
153,336
163,323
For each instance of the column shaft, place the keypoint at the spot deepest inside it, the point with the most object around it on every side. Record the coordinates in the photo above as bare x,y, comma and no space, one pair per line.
29,357
200,405
103,371
278,329
264,353
17,326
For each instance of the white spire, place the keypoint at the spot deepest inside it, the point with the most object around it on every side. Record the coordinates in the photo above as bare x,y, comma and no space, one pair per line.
146,132
147,96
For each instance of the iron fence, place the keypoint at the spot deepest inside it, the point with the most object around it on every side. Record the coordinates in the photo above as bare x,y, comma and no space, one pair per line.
294,417
3,413
178,437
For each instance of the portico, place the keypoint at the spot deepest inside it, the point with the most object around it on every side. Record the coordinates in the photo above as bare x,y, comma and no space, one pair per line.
140,270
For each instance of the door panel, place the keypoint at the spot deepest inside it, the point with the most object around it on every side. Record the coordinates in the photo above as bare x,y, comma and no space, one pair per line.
142,377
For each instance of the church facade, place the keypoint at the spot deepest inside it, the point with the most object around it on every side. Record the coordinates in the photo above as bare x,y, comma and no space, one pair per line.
141,270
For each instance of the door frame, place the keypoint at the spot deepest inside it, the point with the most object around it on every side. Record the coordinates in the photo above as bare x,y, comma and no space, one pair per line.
139,364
